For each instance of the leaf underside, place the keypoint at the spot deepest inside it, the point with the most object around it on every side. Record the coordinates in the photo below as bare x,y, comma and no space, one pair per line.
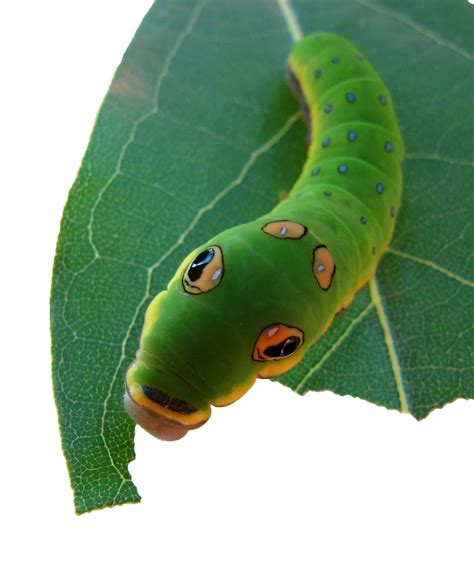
198,133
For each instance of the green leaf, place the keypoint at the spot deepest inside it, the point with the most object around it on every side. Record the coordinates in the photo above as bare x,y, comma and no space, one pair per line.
199,132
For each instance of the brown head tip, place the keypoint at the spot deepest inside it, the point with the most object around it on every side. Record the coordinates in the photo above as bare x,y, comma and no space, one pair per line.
154,423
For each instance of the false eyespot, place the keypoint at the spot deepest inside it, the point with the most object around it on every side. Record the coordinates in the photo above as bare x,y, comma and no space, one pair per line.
205,272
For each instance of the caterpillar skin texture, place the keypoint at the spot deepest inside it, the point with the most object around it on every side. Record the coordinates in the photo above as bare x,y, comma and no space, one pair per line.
250,302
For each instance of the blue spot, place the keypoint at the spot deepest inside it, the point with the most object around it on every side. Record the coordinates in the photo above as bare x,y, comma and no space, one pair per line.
388,147
327,193
383,99
342,169
363,220
315,171
336,59
352,136
351,98
379,187
326,142
317,73
359,57
328,108
393,211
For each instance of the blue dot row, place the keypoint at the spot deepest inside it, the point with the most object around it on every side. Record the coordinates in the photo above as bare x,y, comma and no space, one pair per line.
351,98
337,59
343,169
362,219
352,136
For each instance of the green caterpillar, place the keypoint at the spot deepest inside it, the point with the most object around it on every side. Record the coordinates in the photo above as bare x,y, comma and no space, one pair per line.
250,302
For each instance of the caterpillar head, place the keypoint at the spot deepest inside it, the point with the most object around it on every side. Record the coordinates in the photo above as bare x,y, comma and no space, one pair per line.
234,311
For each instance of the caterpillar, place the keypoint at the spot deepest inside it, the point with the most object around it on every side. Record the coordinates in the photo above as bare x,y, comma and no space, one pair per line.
251,301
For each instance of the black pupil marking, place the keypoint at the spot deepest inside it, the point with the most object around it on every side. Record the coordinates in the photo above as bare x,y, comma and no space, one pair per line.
200,262
167,401
283,349
289,346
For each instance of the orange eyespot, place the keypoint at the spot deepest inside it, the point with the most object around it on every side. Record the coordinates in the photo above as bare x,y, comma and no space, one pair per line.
205,272
285,229
277,341
324,267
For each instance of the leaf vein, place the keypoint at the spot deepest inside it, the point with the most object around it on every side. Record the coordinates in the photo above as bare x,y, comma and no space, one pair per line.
291,19
154,110
300,386
440,368
419,29
389,342
436,157
431,265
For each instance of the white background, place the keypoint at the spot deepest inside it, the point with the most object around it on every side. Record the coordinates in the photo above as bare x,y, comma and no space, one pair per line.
275,481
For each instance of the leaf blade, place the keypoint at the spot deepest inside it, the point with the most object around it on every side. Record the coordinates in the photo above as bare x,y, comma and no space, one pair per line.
168,166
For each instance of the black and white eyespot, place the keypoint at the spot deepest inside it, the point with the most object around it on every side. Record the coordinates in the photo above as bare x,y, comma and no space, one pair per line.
205,272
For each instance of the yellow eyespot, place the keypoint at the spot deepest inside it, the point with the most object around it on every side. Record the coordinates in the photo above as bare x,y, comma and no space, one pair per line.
277,341
205,272
285,229
324,267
